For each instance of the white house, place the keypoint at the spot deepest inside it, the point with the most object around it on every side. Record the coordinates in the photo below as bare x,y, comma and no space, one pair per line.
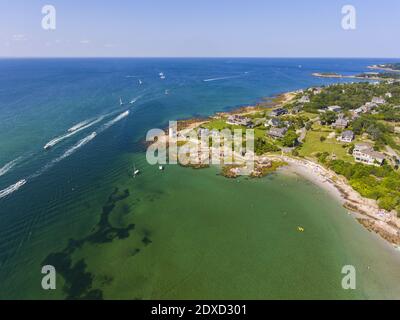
364,153
378,100
346,136
304,99
238,120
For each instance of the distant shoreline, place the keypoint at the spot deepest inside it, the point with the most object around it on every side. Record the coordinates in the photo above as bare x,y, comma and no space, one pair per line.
340,76
376,67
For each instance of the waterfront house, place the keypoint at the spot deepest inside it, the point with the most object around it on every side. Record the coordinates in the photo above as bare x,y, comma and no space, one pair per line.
304,99
238,120
277,133
317,90
278,112
273,122
346,136
297,109
250,124
364,153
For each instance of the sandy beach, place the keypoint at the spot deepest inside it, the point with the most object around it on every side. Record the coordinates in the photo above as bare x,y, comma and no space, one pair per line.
366,211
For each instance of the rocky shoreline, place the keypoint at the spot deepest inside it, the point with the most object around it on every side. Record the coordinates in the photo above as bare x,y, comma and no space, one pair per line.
366,211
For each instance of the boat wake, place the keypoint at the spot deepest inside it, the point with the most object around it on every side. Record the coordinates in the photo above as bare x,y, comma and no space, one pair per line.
115,120
77,126
79,144
134,100
53,142
7,191
8,166
66,154
220,78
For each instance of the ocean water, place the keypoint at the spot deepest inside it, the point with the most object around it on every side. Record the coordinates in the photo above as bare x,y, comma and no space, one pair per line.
179,233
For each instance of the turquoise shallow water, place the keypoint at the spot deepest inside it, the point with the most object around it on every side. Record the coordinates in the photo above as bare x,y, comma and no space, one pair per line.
209,237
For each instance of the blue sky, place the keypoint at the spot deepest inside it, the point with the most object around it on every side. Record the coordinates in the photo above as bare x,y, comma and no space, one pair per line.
200,28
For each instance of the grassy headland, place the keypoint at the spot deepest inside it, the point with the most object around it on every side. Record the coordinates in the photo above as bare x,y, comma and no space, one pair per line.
313,127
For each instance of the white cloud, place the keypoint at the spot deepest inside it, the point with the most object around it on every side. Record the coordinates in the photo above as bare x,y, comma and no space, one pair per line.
84,41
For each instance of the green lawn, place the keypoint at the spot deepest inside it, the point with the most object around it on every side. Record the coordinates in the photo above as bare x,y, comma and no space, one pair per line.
217,124
313,145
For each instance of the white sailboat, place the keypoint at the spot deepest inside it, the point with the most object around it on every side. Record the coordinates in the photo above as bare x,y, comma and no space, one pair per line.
120,101
140,82
162,76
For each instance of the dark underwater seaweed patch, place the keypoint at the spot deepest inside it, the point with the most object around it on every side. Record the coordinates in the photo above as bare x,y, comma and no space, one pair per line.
78,282
134,252
146,240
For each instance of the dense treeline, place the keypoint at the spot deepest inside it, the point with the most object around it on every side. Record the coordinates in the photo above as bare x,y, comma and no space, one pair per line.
379,132
352,96
261,146
379,183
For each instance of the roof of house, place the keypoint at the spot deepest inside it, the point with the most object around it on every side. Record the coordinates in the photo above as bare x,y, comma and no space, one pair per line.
341,121
279,110
363,145
278,131
375,154
275,121
348,133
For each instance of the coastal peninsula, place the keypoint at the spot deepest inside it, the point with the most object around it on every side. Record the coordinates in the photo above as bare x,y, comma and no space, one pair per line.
343,137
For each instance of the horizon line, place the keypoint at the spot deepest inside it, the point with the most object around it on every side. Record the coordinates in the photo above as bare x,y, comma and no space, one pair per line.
190,57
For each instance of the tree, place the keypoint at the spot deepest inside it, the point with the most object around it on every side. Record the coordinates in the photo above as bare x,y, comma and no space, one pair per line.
328,117
261,146
290,139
